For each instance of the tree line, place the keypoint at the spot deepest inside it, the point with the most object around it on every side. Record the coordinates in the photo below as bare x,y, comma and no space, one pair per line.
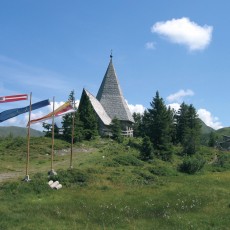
160,126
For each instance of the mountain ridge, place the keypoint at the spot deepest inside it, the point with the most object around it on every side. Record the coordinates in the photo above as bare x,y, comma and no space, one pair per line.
17,131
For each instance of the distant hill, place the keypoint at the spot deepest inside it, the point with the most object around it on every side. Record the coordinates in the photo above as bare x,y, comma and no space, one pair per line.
18,132
206,129
224,131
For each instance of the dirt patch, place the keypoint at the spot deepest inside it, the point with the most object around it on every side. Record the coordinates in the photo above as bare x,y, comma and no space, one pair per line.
75,150
6,176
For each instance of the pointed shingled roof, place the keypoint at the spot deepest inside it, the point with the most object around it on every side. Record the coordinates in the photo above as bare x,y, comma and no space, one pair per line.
98,108
111,98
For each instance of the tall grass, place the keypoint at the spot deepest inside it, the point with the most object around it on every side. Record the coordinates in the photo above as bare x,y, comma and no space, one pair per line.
110,188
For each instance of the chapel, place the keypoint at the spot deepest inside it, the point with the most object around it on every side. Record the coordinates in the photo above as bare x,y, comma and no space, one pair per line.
110,103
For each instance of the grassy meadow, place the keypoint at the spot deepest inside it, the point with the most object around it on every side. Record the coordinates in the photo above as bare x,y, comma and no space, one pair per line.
109,187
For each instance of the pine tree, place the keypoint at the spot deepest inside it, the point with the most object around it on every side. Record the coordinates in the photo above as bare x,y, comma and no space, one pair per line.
181,123
160,124
67,120
87,118
146,153
137,126
188,129
212,139
48,129
116,130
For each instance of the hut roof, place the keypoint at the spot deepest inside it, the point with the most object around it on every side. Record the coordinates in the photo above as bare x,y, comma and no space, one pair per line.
111,98
98,108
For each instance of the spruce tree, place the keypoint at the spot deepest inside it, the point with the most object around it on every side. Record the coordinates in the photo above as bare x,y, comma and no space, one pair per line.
87,118
160,123
146,153
116,130
137,126
188,129
67,120
212,139
181,123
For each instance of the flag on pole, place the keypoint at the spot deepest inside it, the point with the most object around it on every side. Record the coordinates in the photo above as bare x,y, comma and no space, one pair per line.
60,111
7,114
13,98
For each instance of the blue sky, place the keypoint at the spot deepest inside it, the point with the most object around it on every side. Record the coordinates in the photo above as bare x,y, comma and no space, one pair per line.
180,48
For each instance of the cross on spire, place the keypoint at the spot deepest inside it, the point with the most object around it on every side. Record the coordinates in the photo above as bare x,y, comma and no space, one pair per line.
111,54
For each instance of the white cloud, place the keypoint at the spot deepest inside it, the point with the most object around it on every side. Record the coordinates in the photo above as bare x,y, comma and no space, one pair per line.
136,108
174,106
209,119
185,32
150,45
178,96
204,115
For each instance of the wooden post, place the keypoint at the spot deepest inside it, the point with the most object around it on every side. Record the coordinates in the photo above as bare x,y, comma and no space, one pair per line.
28,144
72,136
52,151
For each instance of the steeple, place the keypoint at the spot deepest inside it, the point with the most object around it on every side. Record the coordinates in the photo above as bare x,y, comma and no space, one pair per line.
110,96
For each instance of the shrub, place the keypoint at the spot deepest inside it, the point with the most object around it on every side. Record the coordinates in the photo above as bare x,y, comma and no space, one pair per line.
70,176
146,153
192,164
162,171
223,161
128,160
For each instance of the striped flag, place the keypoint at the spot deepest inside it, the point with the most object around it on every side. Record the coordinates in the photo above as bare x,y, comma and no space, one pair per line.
13,98
7,114
60,111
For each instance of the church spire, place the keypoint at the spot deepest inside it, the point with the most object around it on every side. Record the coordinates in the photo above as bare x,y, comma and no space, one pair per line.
111,55
110,96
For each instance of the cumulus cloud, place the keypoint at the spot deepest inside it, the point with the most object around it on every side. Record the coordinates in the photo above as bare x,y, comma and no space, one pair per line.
150,45
209,119
136,108
184,32
204,115
178,96
174,106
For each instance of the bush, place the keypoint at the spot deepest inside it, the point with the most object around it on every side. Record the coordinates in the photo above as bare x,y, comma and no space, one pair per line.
37,185
128,160
192,164
162,171
146,153
70,176
223,161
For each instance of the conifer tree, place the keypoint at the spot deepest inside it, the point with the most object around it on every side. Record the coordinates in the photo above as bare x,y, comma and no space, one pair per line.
188,129
67,120
181,123
116,130
160,123
87,118
137,126
212,139
146,153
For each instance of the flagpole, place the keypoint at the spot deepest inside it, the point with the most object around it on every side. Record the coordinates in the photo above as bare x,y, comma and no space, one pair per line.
27,178
52,172
72,138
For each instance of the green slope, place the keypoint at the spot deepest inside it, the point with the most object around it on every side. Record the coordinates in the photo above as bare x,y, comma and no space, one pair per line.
224,131
205,129
18,132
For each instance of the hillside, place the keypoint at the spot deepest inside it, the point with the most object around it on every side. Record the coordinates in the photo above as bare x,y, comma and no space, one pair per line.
18,132
109,187
205,129
224,131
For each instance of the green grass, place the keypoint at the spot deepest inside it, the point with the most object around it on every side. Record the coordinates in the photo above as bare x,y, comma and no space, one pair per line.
110,188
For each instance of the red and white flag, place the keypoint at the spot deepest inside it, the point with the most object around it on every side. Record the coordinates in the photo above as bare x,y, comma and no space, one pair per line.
13,98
